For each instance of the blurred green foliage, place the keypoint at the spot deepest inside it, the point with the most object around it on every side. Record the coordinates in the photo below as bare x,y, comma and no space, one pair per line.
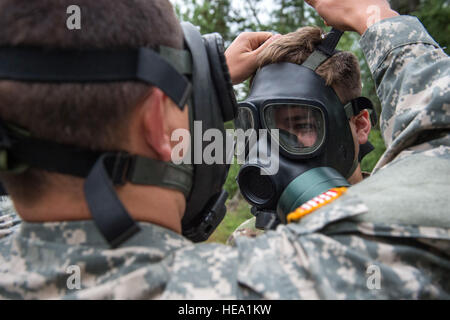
238,212
230,17
372,158
230,185
435,15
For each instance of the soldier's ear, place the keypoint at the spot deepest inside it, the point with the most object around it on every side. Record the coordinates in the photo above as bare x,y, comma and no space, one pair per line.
363,126
154,124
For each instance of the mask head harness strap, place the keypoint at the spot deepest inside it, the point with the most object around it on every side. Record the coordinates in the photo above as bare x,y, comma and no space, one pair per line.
19,151
355,106
143,64
325,50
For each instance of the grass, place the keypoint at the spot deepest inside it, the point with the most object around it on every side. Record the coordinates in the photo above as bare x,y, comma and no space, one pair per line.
238,211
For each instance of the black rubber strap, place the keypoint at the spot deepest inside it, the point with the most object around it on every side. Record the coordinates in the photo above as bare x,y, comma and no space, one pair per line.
108,213
265,219
355,106
143,64
102,172
153,69
148,171
328,45
364,150
324,51
121,166
181,60
315,59
31,64
3,190
54,157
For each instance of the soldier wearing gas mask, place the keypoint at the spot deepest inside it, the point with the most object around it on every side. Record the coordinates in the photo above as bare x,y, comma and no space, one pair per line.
302,128
85,155
88,86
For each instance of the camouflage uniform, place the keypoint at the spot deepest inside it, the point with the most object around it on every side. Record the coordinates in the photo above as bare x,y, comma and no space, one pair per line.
394,244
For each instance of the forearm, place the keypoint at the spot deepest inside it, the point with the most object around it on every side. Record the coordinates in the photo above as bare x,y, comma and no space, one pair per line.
412,76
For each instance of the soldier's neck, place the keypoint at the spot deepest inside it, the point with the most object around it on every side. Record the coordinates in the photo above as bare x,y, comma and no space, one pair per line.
160,206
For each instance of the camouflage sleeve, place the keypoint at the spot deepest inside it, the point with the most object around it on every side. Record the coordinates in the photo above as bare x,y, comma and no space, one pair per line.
412,76
327,256
9,220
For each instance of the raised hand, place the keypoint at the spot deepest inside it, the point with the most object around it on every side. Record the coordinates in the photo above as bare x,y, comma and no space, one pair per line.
241,54
352,15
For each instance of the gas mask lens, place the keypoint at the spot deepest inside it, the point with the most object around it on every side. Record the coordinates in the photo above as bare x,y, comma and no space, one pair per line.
301,128
244,119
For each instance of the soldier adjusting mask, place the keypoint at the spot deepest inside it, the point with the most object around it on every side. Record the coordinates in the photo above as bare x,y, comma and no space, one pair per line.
196,76
306,119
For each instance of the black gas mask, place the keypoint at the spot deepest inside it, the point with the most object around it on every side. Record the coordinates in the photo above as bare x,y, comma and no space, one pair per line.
196,76
310,127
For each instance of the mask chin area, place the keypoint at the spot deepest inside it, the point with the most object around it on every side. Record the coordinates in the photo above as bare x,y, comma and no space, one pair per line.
307,186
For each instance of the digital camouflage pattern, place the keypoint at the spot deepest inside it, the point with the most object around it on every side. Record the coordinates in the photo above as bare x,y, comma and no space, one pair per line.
413,84
9,221
342,251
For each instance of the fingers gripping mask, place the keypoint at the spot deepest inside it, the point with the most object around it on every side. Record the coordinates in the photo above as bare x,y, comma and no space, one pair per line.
309,125
196,76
